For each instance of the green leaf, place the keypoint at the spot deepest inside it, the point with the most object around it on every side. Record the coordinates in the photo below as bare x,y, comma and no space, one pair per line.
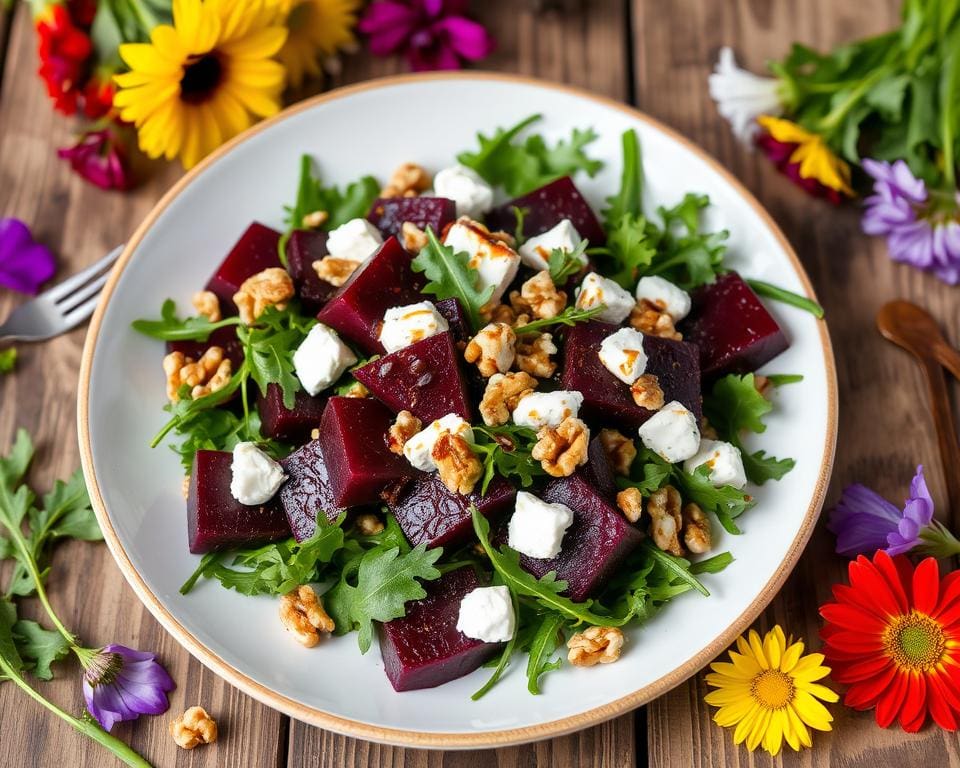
505,451
14,465
629,199
770,291
547,638
887,97
353,203
569,317
678,567
40,646
171,328
564,264
629,249
725,502
504,659
760,467
713,564
780,379
8,359
8,646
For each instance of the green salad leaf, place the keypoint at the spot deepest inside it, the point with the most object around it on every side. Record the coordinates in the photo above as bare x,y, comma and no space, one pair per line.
775,292
570,316
564,264
629,198
546,639
39,647
172,328
268,350
505,451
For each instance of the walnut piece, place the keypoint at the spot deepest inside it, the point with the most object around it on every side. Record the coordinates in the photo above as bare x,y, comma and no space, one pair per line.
405,427
541,296
209,374
408,180
493,349
696,529
412,238
648,318
503,313
302,613
533,354
207,304
271,288
707,431
315,219
666,519
647,392
193,728
620,450
356,390
630,502
595,645
561,449
369,525
457,464
185,487
503,392
335,271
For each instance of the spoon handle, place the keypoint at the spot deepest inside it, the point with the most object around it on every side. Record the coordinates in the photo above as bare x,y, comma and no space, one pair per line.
949,358
946,432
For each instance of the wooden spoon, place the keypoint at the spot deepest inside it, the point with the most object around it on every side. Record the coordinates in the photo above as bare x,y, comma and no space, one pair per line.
915,330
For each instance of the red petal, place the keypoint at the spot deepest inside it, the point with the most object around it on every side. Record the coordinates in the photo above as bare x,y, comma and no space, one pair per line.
914,710
852,617
949,596
941,703
860,671
865,695
891,700
873,586
926,586
856,642
897,573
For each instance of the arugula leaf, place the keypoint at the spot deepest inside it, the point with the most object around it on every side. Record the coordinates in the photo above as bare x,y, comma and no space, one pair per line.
171,328
770,291
726,502
780,379
8,646
569,317
505,450
629,199
685,255
451,276
629,250
341,207
41,647
565,264
519,214
8,359
713,564
547,638
677,566
504,659
269,347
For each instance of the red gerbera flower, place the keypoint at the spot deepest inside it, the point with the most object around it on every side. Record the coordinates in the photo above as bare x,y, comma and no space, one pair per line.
98,95
64,50
893,637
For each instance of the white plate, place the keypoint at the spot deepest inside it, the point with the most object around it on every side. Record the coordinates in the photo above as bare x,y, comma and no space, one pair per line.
371,128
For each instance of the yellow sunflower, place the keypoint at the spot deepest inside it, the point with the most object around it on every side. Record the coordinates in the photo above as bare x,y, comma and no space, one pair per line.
318,29
204,79
815,159
769,692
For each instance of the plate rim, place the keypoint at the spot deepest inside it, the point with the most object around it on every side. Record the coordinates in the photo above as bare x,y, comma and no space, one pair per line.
470,739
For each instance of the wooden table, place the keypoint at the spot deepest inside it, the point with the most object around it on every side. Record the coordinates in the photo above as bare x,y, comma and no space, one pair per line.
656,55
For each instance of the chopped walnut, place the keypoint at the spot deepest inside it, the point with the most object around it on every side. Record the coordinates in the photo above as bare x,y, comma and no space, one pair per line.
270,288
314,434
335,271
408,180
185,487
630,502
648,318
533,354
315,219
207,304
561,449
172,364
707,431
302,613
369,525
405,427
521,308
666,519
503,392
501,313
503,237
412,237
620,450
696,529
493,349
457,464
208,374
541,296
647,392
193,728
595,645
356,390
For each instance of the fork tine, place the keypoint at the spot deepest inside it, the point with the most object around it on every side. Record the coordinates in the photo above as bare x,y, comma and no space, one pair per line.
77,315
74,300
80,279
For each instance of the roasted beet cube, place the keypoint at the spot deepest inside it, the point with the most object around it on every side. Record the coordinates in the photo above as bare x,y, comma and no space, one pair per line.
255,251
598,471
428,512
452,312
425,649
307,493
353,439
607,399
216,520
388,213
423,378
225,338
295,425
386,280
735,332
548,206
304,247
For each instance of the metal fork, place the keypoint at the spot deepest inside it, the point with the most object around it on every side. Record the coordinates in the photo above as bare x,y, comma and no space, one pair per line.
62,307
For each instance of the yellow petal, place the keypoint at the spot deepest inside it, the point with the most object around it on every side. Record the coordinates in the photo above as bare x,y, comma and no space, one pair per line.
812,712
790,657
784,130
258,45
773,734
258,103
146,58
760,725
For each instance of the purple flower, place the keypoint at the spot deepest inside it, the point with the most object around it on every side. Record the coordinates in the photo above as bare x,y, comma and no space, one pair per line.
120,683
24,264
433,34
99,157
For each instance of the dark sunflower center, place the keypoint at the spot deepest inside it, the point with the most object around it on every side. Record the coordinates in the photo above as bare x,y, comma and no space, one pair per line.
200,78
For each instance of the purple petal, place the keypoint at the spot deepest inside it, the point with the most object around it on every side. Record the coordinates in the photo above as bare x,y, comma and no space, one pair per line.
468,39
862,520
24,264
912,244
437,57
388,25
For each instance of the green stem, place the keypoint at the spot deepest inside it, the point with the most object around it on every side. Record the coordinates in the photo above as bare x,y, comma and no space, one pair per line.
833,118
146,18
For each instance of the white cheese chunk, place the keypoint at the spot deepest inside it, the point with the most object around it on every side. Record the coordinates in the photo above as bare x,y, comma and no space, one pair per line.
463,185
419,448
596,290
547,409
536,528
403,326
357,240
536,251
672,433
724,461
666,296
256,477
486,613
321,359
495,262
622,354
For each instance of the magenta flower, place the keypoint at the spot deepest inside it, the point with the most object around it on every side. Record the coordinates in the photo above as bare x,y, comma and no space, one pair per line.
24,264
100,158
120,683
433,34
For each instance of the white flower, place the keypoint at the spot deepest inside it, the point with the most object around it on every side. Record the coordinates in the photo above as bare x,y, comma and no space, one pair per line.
742,96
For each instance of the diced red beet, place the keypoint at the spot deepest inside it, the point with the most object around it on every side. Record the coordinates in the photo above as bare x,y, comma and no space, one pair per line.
386,280
598,471
452,312
308,491
423,378
304,247
548,206
289,425
735,332
255,251
216,520
225,338
425,649
388,213
353,439
607,399
428,512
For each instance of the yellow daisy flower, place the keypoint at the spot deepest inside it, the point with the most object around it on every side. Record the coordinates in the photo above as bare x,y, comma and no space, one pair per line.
816,160
768,690
204,79
318,29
